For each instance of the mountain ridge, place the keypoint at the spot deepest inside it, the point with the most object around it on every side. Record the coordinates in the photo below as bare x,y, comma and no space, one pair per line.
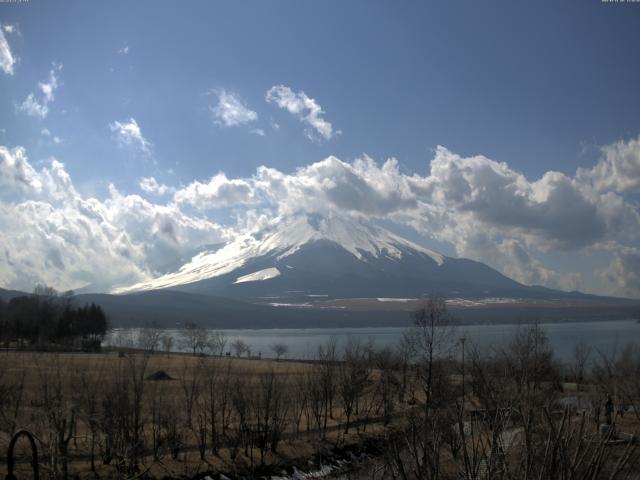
338,257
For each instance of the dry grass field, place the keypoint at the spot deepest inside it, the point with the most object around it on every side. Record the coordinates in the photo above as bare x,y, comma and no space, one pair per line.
176,415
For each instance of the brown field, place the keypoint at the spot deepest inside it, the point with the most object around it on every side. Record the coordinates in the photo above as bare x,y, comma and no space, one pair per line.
59,386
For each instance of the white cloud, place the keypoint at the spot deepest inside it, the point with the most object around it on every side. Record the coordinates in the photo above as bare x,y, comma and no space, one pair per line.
31,106
16,172
51,233
129,133
305,108
47,133
124,50
359,188
258,131
151,185
460,194
38,105
623,274
7,60
556,211
618,170
517,263
218,192
231,110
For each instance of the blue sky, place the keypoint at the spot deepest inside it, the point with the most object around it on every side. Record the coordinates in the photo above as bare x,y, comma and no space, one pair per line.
540,86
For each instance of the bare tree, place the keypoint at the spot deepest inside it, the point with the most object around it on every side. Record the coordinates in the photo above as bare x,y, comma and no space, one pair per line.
529,361
167,343
217,343
197,421
387,383
190,383
216,386
122,417
353,376
239,431
194,337
327,364
579,364
91,385
279,349
240,347
269,413
60,408
149,338
431,341
123,339
157,404
12,389
299,401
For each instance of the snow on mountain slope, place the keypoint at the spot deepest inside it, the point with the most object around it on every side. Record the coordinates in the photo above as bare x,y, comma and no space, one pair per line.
283,238
260,275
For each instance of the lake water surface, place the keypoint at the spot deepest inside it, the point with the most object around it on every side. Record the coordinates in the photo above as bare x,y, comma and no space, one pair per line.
303,343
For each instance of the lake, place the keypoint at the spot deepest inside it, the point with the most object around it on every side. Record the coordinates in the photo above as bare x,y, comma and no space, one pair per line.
303,343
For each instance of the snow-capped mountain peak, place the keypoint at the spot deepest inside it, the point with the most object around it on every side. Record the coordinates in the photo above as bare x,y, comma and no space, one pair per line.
284,237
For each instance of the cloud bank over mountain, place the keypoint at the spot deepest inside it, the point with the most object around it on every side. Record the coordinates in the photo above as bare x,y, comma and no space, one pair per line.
482,208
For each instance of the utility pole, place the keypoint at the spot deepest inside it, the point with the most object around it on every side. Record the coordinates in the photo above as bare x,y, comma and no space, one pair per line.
462,341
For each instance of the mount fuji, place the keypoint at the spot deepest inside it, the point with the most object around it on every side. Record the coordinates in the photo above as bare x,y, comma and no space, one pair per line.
314,257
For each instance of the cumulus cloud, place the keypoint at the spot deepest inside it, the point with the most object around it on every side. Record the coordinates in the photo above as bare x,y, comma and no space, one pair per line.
305,108
129,133
555,211
359,188
618,170
623,274
231,110
124,50
16,172
151,185
50,233
37,105
7,60
517,263
218,192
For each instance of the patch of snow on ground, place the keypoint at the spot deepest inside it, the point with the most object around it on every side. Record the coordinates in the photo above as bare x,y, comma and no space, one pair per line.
290,304
464,302
403,300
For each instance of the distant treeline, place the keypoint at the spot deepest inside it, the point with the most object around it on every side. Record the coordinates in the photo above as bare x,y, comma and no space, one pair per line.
48,318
